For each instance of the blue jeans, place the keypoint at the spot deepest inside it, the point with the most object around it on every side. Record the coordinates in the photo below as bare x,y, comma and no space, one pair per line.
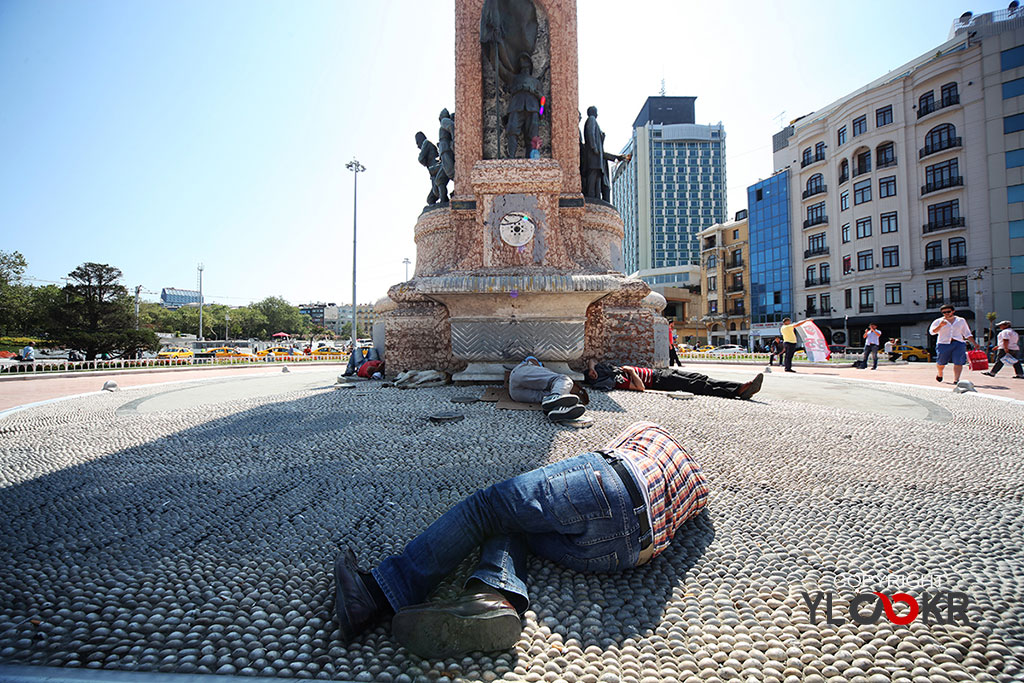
531,383
872,350
576,512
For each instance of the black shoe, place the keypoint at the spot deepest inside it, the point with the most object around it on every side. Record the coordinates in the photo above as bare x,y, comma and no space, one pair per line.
354,606
990,374
484,622
567,413
553,401
788,370
750,388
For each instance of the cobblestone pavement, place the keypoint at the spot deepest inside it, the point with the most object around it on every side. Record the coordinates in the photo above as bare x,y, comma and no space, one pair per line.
145,532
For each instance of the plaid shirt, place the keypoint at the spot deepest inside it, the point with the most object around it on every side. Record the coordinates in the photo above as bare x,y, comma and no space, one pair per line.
675,484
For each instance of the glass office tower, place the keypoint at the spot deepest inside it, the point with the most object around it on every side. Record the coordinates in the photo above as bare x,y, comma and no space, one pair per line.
771,288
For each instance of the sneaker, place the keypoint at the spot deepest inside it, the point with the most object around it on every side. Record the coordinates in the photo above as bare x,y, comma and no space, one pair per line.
989,374
566,413
553,401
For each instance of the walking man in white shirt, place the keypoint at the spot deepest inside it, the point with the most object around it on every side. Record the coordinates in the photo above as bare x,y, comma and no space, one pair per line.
872,336
1009,349
953,337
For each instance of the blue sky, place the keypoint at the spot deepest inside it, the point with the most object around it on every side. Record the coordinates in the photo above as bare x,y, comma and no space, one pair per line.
157,135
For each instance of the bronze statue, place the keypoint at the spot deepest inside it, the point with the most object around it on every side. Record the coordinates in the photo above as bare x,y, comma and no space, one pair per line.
523,107
428,158
595,160
446,155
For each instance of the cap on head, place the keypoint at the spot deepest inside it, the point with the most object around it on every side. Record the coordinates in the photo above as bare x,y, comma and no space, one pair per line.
787,320
1004,323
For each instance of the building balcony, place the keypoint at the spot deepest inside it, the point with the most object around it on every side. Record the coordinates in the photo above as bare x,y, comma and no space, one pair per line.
844,178
816,251
733,264
712,311
861,170
888,163
942,184
817,281
708,245
934,303
936,105
816,220
951,262
815,190
866,308
734,289
737,311
949,143
812,160
811,310
948,224
959,302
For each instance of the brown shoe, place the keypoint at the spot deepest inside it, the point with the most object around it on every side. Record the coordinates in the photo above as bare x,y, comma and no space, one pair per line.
750,388
483,622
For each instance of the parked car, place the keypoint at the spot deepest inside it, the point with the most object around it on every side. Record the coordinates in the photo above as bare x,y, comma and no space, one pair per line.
175,352
228,352
277,352
912,354
328,351
705,349
728,350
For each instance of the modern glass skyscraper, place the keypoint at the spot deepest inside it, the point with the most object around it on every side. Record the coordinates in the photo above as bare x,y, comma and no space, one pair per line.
672,187
771,288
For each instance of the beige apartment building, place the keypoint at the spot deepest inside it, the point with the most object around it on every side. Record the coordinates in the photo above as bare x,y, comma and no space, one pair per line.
724,278
910,191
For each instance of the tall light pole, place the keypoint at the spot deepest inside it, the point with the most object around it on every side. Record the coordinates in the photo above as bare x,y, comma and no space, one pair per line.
200,268
406,261
356,169
979,314
227,319
138,288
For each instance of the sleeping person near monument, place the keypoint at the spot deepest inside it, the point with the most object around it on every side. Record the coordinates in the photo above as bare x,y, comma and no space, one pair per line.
638,378
608,510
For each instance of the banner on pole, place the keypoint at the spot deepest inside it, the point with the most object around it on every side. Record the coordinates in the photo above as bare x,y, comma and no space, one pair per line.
814,342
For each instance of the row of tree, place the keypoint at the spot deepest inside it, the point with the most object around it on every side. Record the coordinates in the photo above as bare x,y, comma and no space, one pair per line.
95,313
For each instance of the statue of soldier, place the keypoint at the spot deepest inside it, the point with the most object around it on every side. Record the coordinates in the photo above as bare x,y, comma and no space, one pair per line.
523,107
446,153
428,158
597,183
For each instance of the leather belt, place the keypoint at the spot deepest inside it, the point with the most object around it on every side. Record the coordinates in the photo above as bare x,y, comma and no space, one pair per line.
637,499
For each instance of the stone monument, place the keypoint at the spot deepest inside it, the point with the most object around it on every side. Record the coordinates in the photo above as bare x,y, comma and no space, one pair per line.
518,262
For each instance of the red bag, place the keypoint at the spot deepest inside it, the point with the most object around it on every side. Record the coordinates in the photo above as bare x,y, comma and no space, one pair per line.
978,360
369,367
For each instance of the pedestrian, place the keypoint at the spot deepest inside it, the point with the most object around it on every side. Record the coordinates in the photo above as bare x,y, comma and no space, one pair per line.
28,354
872,336
1008,351
531,382
605,511
952,337
673,354
638,378
777,349
788,331
891,348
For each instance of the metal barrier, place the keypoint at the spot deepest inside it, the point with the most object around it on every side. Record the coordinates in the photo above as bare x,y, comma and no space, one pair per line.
43,367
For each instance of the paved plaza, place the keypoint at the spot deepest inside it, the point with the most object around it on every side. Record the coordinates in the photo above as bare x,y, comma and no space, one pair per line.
191,527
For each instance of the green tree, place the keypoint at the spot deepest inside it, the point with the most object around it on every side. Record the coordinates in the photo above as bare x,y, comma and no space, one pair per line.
281,316
14,295
98,316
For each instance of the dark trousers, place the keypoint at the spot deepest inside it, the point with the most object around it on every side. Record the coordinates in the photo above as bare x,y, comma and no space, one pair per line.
871,350
1017,368
790,349
674,379
673,356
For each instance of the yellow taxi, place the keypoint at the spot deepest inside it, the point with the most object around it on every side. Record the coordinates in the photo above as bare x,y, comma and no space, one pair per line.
327,351
912,354
228,352
175,352
705,349
277,352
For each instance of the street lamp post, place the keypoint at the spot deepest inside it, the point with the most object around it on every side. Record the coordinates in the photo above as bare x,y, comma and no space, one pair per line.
406,261
356,169
200,268
227,319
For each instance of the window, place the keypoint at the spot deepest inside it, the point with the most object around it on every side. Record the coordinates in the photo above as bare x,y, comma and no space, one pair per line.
938,176
950,95
847,265
844,200
926,103
819,151
735,234
848,296
844,171
713,306
826,302
806,157
712,261
865,260
944,214
862,163
864,227
846,233
825,270
885,155
883,116
933,252
958,290
815,184
841,136
816,212
1015,194
1013,88
812,304
860,125
893,295
862,192
1015,158
1011,124
712,283
939,138
867,298
887,222
887,187
1016,230
957,250
811,272
934,291
890,257
1012,58
816,242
